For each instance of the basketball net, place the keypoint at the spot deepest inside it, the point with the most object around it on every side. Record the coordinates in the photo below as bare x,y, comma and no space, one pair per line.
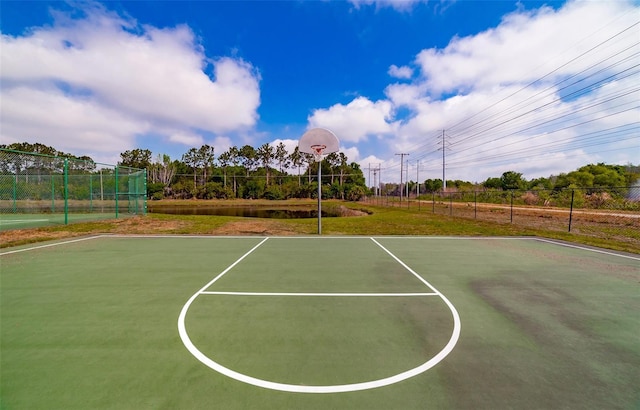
318,152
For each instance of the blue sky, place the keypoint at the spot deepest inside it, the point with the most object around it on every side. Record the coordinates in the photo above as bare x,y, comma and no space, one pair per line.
538,88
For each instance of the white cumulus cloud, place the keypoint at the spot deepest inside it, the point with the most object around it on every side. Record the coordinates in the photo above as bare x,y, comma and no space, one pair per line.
546,91
355,121
403,72
96,83
526,46
399,5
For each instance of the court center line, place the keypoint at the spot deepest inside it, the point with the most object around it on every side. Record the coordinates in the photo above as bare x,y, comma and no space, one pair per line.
317,294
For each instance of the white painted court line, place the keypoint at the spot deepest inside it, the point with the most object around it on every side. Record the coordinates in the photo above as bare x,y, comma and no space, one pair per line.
515,238
51,244
568,245
406,267
18,221
318,294
317,389
179,236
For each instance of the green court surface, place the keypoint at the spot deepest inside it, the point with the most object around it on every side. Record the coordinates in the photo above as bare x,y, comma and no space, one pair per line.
179,322
24,221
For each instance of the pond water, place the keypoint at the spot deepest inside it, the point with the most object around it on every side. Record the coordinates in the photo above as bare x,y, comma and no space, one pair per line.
249,212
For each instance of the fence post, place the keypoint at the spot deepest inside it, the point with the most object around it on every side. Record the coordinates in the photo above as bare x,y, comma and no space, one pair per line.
53,193
90,192
475,204
511,206
144,193
66,191
571,208
116,190
433,202
15,192
450,203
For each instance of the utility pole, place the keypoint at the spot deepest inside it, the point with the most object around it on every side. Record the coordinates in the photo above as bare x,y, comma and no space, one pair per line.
407,184
418,183
379,181
417,179
444,180
375,182
401,166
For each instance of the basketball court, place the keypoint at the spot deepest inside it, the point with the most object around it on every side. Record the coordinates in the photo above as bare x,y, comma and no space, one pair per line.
318,322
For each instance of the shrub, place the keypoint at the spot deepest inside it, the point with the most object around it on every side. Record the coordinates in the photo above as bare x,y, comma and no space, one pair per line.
530,198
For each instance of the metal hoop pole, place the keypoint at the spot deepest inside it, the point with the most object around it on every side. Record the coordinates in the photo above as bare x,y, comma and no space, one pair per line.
319,198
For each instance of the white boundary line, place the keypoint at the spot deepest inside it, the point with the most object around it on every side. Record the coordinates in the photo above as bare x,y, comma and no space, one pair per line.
568,245
50,245
318,389
318,294
17,221
177,236
460,238
516,238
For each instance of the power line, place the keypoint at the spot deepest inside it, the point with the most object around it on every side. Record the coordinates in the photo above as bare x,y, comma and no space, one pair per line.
513,121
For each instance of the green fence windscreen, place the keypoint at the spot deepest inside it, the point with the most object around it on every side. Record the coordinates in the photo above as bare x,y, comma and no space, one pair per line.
40,190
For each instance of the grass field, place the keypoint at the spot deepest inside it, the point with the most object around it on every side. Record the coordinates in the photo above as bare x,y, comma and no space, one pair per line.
412,322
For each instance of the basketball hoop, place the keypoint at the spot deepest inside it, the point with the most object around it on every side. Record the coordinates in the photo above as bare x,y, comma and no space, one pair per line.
318,151
319,142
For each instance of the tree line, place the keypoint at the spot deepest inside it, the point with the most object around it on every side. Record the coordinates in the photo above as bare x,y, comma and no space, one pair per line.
589,176
271,172
268,172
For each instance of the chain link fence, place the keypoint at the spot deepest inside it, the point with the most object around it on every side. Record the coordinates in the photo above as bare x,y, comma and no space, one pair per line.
612,212
40,190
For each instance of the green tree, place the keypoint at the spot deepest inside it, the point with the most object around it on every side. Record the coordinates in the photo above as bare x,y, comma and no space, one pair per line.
191,159
608,178
512,180
355,192
234,157
205,159
344,169
265,155
83,164
333,160
581,179
561,181
247,155
224,160
354,174
433,185
297,160
282,157
540,183
136,158
492,183
36,148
